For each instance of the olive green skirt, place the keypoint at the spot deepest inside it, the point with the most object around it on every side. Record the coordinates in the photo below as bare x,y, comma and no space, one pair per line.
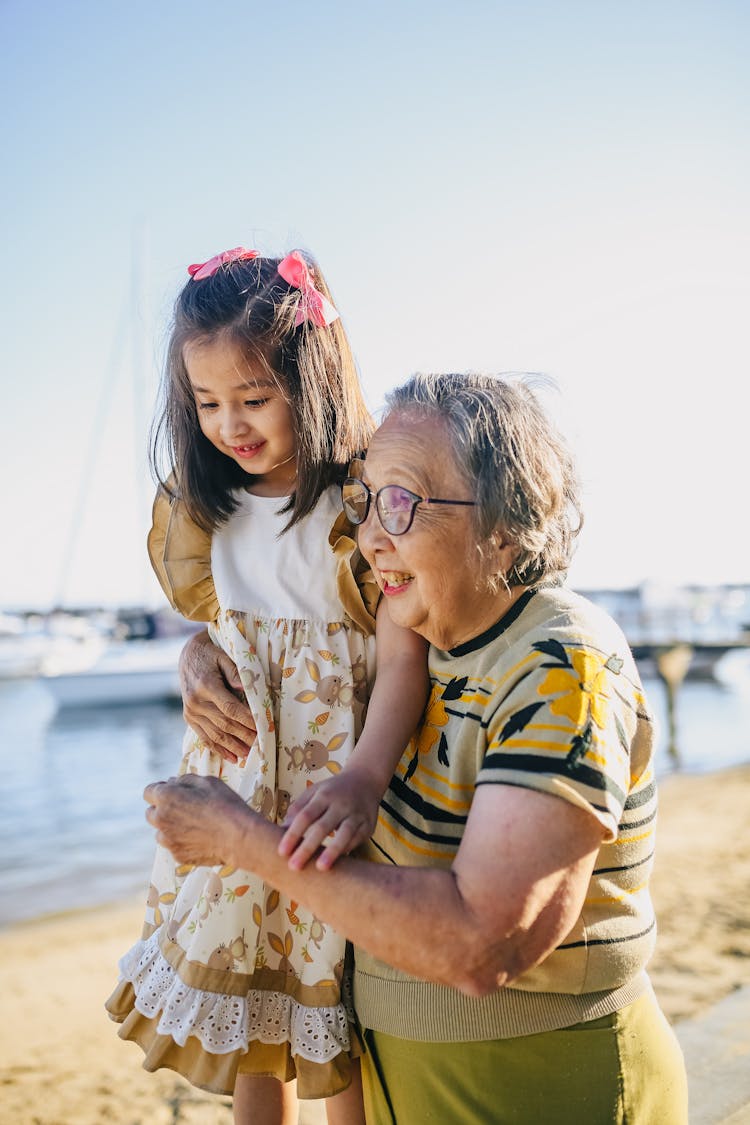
623,1069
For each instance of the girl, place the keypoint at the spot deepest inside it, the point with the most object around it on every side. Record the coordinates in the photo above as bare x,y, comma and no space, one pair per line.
234,986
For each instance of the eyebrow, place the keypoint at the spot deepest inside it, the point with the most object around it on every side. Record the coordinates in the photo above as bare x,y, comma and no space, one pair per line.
263,386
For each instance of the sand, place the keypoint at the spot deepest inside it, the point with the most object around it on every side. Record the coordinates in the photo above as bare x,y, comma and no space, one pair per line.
63,1064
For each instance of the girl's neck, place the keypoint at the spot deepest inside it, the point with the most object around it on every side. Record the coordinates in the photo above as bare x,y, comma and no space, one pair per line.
265,489
277,483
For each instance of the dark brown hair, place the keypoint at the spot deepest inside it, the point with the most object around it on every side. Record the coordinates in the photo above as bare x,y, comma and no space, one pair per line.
249,303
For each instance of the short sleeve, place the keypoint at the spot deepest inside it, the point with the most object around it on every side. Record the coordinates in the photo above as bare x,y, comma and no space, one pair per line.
357,589
180,553
568,727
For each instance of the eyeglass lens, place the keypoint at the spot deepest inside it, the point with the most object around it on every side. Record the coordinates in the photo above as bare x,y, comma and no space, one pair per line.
355,497
395,505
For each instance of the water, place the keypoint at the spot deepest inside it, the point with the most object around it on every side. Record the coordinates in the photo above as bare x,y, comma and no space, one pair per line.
72,827
72,830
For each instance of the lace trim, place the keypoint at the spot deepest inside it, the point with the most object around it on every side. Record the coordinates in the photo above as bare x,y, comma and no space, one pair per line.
229,1023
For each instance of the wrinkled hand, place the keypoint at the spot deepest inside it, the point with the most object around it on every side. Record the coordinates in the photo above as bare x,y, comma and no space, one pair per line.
213,702
193,817
347,804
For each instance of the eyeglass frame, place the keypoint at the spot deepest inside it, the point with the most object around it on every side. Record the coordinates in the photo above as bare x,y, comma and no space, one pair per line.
416,500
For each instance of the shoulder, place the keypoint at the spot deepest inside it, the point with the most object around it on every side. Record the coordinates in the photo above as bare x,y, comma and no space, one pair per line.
558,618
568,712
545,622
561,608
180,554
563,641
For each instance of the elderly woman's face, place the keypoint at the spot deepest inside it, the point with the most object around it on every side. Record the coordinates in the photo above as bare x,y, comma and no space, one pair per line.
429,575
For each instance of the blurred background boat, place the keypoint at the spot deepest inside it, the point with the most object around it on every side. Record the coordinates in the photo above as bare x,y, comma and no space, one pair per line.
95,658
122,672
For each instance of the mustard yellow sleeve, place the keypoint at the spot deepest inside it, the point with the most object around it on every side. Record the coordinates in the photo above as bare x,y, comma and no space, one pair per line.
180,553
357,589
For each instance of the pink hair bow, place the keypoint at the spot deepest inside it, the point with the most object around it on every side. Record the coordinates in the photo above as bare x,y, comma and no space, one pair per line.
313,306
202,270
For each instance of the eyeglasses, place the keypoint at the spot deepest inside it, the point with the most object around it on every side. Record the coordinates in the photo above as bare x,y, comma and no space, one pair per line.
395,505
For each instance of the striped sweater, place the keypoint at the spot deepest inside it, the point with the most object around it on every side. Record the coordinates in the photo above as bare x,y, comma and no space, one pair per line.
549,699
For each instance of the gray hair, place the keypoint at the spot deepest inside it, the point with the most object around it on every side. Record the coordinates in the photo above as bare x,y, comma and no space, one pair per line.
515,462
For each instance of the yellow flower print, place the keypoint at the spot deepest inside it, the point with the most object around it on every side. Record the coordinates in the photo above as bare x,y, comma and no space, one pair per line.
583,687
435,717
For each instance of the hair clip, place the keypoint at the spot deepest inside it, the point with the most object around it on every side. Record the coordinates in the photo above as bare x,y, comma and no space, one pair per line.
201,270
313,306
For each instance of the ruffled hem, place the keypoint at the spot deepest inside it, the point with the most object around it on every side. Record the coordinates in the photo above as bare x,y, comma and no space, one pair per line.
217,1074
209,1037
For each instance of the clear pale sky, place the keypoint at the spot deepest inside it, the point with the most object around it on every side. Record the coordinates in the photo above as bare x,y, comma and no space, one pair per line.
547,187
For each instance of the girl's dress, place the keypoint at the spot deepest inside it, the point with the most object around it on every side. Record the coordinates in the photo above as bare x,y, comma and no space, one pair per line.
230,976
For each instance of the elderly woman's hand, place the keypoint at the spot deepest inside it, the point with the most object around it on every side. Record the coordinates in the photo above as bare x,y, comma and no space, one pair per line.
193,817
213,701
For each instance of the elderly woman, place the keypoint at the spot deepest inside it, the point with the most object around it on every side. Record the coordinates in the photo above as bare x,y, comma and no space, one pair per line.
503,929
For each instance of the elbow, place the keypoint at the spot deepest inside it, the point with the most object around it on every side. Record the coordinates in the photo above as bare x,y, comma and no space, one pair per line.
480,953
484,979
492,959
487,967
478,985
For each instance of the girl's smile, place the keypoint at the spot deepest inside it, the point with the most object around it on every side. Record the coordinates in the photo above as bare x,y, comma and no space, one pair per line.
247,451
243,412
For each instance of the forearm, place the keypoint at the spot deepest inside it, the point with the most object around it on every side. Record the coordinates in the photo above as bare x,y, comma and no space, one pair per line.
397,702
412,918
391,722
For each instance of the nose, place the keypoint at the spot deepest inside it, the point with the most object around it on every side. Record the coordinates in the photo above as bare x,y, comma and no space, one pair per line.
232,425
371,536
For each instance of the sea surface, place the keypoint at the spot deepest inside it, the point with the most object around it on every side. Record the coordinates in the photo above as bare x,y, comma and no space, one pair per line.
72,827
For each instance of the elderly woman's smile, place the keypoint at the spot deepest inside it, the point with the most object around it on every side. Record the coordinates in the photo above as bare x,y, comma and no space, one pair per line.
393,582
431,575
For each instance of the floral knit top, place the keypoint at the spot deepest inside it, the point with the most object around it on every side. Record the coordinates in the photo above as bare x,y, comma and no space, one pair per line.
548,698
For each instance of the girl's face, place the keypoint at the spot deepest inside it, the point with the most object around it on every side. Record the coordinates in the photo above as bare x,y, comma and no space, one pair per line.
243,412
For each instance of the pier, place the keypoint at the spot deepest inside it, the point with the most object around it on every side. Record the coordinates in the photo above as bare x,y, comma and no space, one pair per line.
679,634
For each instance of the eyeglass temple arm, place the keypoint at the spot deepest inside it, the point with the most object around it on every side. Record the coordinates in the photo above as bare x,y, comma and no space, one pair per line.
465,503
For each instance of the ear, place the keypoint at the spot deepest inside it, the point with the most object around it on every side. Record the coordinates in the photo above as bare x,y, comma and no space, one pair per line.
500,554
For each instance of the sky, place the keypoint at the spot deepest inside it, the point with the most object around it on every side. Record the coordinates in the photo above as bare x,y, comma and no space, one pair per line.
499,187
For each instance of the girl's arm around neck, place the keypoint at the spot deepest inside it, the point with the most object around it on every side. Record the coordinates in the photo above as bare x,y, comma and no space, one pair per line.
347,804
397,701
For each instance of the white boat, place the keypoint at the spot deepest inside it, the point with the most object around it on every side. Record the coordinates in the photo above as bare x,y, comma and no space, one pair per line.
122,672
20,657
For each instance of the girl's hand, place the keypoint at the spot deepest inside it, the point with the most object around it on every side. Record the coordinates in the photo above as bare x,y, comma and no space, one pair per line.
213,702
346,805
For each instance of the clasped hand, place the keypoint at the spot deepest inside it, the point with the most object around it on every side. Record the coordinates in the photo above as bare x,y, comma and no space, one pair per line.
341,810
214,703
197,819
194,817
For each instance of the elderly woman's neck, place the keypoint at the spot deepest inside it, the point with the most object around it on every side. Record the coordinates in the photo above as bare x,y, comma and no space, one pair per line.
453,634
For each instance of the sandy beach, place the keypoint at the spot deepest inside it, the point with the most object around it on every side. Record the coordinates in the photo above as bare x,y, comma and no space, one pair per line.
63,1064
